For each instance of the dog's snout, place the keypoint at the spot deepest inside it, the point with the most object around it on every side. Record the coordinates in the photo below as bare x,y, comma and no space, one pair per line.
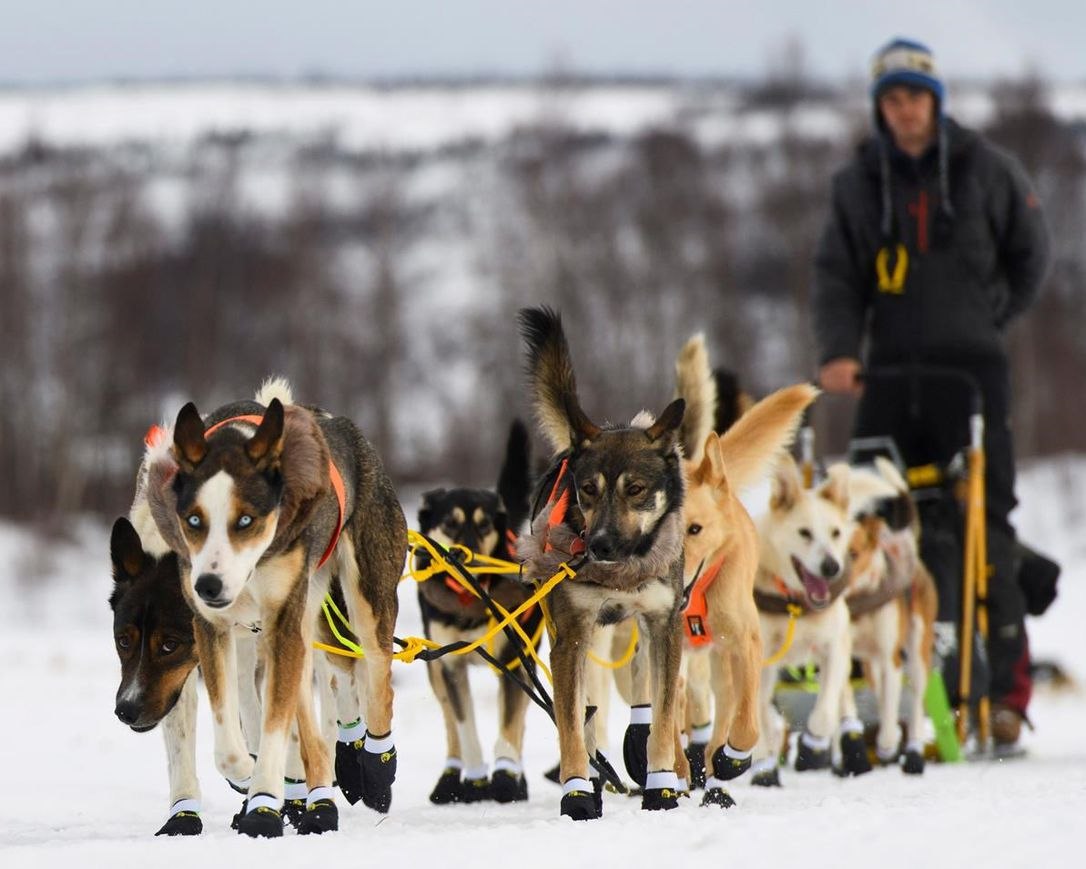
830,566
127,711
602,548
209,586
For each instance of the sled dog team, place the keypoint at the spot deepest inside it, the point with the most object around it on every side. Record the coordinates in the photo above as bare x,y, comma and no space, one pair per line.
246,517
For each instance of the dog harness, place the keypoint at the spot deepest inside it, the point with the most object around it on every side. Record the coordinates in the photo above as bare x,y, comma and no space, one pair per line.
558,500
778,604
155,433
696,612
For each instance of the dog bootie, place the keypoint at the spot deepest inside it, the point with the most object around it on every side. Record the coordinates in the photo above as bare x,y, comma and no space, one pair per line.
813,753
349,761
729,763
661,792
293,810
321,814
854,759
184,820
912,761
259,818
378,771
695,756
635,744
475,790
766,773
579,800
717,796
508,784
448,789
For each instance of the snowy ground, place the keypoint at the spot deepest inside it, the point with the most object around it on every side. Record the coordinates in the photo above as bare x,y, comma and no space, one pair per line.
84,790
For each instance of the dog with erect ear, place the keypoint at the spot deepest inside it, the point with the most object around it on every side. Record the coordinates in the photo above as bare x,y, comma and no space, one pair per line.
485,522
611,508
723,632
263,502
892,603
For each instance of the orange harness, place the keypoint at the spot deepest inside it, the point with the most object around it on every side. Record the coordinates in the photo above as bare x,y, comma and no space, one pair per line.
558,512
696,613
155,433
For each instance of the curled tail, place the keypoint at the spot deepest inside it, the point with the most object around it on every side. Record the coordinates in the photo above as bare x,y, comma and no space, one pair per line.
755,441
695,384
275,387
551,379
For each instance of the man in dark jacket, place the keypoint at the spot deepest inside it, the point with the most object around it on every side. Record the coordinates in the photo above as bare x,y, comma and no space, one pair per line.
935,242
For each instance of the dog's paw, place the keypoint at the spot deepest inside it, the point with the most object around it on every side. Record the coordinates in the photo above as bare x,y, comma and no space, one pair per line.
810,758
448,788
475,790
912,763
293,810
726,767
695,756
378,774
854,759
349,769
767,778
262,822
580,806
717,797
320,816
182,824
508,787
635,752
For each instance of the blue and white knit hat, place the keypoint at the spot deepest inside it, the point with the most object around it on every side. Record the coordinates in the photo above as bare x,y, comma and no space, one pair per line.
906,62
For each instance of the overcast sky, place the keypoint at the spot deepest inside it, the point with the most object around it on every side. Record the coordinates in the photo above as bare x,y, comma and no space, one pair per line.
44,41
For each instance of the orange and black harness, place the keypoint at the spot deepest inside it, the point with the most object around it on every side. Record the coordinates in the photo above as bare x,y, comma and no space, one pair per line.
696,609
558,501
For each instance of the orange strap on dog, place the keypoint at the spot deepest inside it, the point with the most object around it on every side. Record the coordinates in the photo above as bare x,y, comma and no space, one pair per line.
696,613
559,510
155,433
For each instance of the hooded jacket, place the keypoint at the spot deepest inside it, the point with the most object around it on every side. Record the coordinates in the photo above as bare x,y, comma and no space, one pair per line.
972,264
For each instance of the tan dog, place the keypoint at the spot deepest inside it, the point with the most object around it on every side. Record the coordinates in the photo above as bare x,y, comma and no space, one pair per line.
892,603
721,556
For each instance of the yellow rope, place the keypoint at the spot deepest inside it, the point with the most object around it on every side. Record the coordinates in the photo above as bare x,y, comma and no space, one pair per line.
415,645
627,656
794,612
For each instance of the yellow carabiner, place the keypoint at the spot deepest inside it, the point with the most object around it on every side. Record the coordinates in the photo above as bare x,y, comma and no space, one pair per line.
892,283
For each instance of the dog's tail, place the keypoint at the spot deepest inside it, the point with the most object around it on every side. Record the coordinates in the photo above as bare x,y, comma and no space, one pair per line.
695,384
550,374
275,387
756,440
732,401
514,480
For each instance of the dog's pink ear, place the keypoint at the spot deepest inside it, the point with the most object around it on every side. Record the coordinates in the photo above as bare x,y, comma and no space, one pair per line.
126,551
266,444
668,422
190,445
786,485
836,489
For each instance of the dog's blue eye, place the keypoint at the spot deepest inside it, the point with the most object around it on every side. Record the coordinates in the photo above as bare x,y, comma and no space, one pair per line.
194,521
245,521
